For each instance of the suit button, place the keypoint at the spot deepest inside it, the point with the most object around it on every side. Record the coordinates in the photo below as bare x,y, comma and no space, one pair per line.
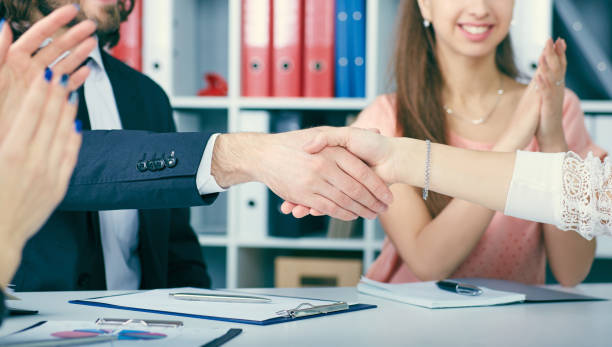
151,165
172,160
142,166
160,164
83,280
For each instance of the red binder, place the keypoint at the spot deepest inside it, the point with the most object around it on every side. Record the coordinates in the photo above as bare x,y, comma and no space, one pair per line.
287,52
256,47
319,48
129,48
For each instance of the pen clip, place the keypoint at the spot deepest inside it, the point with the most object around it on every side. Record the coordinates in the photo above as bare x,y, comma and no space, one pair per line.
467,289
143,322
307,309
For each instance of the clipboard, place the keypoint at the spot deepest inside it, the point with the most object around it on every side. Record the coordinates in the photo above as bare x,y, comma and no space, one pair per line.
291,308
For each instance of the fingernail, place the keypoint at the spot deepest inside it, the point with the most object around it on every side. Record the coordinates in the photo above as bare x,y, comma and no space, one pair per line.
48,74
73,98
78,126
2,24
78,7
64,80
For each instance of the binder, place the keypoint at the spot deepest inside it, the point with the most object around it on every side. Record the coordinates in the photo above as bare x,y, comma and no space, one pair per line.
319,48
256,47
342,69
253,196
287,48
282,309
129,48
357,47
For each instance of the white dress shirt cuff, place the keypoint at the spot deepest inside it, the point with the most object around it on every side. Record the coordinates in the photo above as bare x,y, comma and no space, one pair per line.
535,189
205,182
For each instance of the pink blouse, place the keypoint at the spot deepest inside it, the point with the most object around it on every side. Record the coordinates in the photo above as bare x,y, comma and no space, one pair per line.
510,248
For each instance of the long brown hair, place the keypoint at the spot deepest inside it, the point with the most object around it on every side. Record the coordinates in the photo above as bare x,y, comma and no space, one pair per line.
419,105
20,12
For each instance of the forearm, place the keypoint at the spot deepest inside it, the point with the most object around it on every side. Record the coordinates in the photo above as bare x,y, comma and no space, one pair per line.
10,256
569,255
479,177
442,245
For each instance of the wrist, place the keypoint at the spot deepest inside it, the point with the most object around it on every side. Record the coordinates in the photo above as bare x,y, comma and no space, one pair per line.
10,257
410,156
553,144
233,159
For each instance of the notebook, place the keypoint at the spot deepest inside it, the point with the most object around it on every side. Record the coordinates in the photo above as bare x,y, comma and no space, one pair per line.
427,294
280,309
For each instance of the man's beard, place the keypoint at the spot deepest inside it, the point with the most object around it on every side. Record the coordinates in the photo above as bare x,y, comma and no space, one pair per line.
109,18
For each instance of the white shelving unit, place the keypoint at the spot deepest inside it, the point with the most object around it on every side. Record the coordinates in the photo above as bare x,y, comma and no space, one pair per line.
204,35
186,38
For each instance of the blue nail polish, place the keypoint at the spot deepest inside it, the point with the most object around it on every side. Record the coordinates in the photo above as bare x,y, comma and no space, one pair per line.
78,7
2,24
48,74
64,80
78,126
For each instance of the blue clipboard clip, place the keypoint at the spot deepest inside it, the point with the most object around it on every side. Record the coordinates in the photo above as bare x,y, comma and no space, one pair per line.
306,309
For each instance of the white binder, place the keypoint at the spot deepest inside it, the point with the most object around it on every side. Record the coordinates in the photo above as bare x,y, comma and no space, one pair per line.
253,196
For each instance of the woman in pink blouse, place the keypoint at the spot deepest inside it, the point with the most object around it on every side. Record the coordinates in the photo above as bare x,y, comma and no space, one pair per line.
456,84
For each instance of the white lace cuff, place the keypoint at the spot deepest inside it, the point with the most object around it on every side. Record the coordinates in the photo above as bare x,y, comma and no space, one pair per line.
586,201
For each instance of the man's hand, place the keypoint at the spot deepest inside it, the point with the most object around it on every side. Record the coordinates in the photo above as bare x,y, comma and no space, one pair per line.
332,181
371,147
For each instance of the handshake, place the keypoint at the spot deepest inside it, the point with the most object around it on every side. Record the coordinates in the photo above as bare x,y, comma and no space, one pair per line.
340,172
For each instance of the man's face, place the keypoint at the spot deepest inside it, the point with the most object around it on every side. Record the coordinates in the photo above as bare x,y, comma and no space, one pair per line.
105,12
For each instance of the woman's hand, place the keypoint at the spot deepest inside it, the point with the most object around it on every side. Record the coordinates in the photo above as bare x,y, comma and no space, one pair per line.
39,144
524,122
368,145
23,61
551,72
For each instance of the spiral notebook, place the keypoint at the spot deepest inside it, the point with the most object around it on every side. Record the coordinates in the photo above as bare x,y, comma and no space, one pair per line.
427,294
279,309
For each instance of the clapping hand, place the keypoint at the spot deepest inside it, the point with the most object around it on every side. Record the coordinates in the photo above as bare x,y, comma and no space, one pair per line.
23,60
39,144
551,77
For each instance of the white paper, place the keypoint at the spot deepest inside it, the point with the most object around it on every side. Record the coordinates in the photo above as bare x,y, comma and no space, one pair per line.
160,300
181,336
427,294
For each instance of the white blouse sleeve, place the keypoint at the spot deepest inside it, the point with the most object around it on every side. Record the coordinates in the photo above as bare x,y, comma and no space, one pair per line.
564,190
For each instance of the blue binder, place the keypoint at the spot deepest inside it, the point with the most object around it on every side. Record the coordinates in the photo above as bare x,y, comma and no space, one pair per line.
342,72
357,47
270,321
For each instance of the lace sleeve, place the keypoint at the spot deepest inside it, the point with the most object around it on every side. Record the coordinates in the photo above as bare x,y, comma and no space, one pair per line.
586,199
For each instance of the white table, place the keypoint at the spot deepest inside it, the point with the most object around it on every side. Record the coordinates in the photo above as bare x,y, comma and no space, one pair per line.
391,324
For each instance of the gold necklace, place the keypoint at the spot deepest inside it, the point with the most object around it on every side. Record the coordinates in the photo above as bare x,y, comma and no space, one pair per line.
484,118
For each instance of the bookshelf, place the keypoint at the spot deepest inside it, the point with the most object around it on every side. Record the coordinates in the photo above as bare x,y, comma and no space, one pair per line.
183,39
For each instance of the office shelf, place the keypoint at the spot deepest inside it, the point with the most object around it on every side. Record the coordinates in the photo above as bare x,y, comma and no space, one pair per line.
185,39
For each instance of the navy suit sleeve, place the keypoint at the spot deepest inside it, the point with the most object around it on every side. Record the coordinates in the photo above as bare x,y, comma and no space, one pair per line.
107,178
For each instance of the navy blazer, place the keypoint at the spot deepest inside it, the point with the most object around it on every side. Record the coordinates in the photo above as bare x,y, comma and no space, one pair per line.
66,254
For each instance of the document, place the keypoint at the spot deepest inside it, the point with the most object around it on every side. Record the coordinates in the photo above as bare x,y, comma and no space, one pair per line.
278,309
427,294
65,331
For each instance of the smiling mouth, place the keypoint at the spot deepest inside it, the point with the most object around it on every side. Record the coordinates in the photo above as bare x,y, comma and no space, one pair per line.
475,29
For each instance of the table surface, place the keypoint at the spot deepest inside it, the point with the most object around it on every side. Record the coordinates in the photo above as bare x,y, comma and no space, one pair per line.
391,324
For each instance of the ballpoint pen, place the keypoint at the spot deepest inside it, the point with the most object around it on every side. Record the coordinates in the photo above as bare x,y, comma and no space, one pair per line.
459,288
219,297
